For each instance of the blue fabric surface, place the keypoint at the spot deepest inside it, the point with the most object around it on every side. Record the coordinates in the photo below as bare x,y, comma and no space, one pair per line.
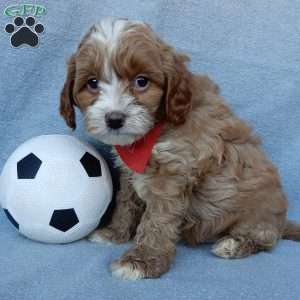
251,49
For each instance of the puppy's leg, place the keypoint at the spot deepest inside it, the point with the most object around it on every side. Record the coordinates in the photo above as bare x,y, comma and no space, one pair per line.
126,216
234,247
154,247
246,239
155,239
195,232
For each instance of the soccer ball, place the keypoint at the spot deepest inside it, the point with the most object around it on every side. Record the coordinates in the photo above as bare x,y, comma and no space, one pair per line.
55,188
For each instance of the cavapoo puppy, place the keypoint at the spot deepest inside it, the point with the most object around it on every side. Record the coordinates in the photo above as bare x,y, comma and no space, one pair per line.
191,169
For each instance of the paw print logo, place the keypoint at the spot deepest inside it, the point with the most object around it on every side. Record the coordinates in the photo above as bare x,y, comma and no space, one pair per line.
24,34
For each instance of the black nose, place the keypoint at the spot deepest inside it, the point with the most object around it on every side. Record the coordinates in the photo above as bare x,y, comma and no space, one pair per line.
115,119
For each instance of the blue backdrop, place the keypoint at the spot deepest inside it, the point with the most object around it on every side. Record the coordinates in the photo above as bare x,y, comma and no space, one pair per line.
251,49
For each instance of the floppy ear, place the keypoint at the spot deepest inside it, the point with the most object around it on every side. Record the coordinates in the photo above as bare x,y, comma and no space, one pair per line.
178,95
67,103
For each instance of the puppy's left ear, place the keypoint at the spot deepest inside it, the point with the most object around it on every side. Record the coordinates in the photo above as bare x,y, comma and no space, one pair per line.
178,94
67,102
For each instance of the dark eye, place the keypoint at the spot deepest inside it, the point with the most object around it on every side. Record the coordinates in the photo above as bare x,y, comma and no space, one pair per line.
141,82
93,85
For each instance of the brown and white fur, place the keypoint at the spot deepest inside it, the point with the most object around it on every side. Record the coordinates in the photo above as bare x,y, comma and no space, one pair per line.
207,177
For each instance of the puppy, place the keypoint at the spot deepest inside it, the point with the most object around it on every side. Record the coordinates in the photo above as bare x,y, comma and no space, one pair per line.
204,175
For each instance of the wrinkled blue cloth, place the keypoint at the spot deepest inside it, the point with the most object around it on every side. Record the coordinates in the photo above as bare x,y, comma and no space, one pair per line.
251,49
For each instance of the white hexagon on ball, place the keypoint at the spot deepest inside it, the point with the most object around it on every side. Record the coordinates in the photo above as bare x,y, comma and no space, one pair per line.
55,188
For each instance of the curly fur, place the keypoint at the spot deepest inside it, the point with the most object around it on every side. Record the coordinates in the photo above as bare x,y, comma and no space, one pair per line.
207,178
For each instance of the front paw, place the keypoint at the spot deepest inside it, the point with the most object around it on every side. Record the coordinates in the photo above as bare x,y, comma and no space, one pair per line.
141,262
128,270
98,236
108,236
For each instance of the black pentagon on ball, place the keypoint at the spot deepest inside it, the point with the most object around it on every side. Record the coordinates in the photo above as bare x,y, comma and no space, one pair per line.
91,165
64,219
11,218
28,166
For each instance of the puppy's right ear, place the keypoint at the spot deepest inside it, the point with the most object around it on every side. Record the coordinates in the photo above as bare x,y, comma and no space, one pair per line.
67,102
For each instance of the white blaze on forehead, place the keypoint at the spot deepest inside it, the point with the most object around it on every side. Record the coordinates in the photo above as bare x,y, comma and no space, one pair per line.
109,30
108,33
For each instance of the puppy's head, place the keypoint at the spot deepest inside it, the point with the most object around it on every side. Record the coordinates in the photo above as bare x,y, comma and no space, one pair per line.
124,79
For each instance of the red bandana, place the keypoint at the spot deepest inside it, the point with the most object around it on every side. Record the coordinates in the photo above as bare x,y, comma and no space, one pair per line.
137,155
